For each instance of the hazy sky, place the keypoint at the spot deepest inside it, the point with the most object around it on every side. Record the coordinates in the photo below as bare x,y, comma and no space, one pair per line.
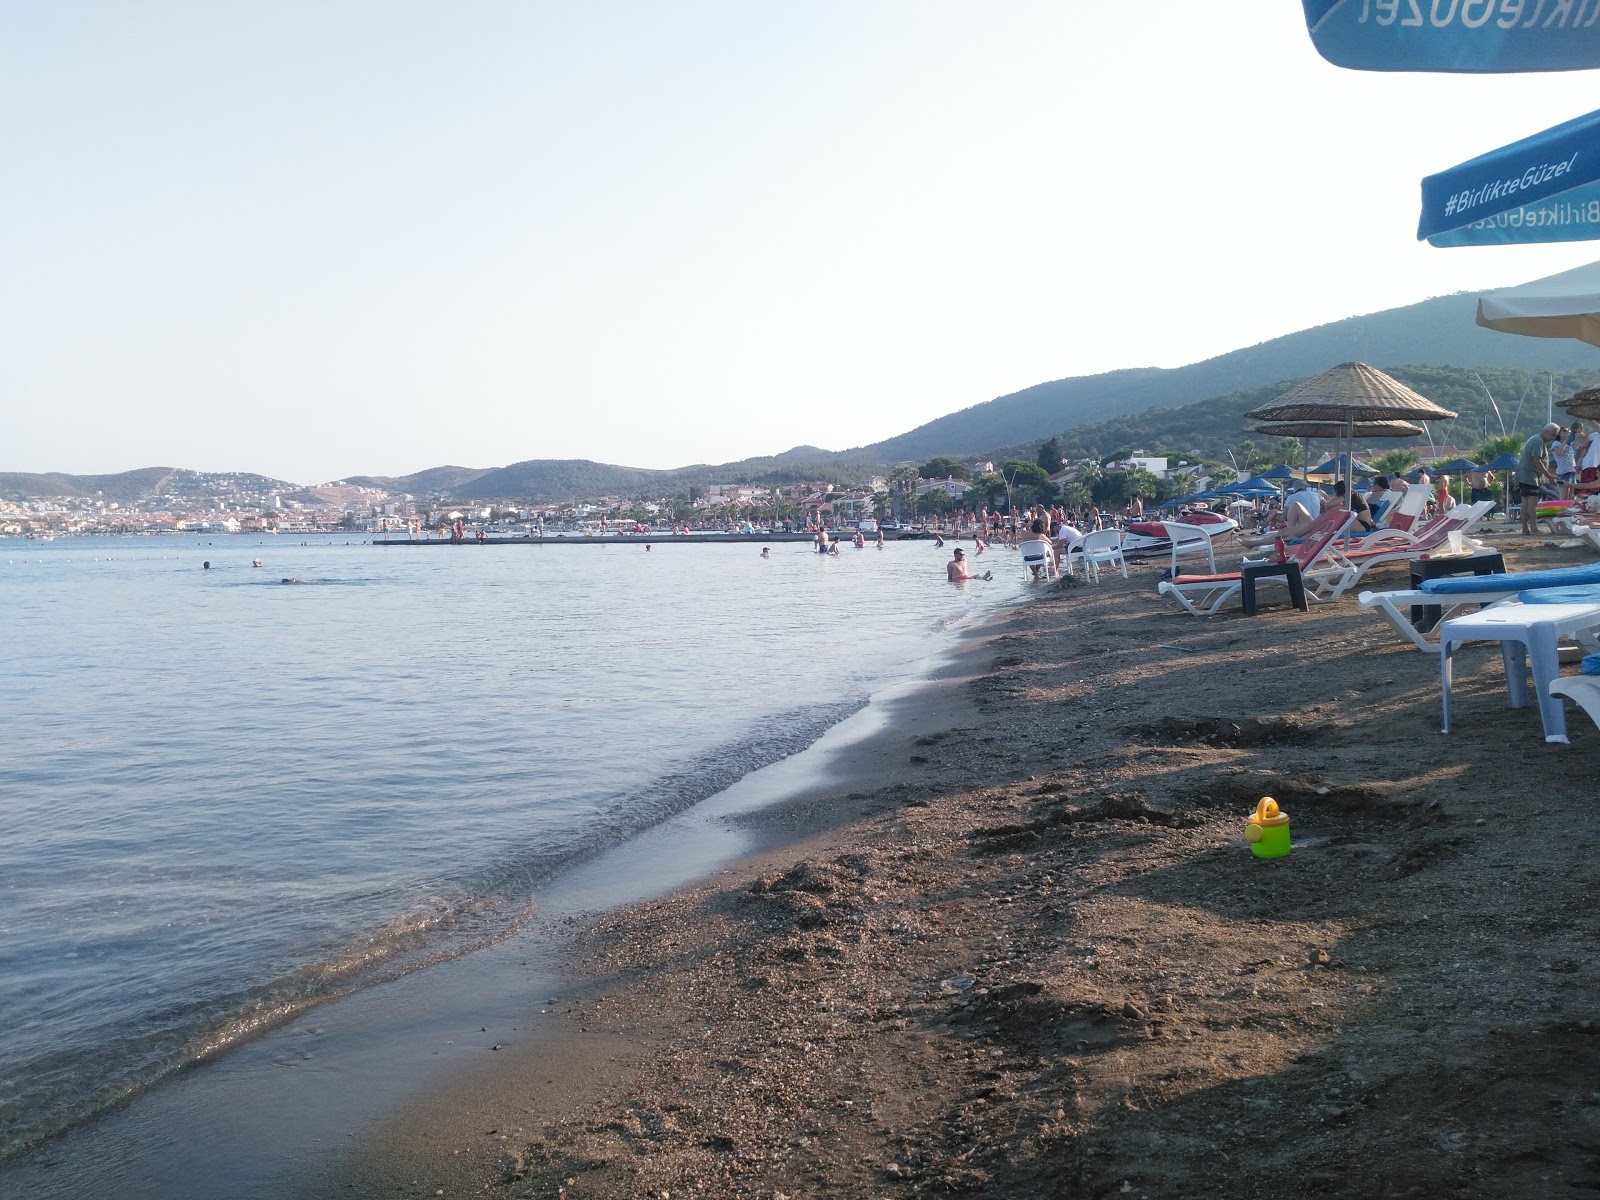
372,236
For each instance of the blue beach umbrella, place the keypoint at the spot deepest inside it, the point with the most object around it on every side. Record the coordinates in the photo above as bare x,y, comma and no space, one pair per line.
1536,190
1505,462
1456,466
1281,471
1343,464
1256,484
1468,36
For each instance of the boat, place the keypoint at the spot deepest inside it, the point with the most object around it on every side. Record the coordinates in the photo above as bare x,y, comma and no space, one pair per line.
1143,539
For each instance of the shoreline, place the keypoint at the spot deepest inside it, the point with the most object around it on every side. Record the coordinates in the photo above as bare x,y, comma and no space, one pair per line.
1035,958
339,1040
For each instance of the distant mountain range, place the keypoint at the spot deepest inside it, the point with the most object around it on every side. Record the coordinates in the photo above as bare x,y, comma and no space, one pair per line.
1199,402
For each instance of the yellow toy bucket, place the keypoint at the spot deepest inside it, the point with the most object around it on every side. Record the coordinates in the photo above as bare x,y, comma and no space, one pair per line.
1268,830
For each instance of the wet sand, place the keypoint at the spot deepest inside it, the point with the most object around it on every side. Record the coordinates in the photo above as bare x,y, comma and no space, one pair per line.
1018,946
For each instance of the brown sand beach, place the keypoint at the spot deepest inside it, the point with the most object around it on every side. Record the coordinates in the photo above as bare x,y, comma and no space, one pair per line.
1026,951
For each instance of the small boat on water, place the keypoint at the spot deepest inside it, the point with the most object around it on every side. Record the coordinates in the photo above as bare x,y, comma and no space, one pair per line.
1141,539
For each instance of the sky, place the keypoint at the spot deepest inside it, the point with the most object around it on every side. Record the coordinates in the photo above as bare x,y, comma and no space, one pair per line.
321,239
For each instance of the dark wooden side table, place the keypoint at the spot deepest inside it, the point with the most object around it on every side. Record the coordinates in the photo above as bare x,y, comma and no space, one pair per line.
1486,562
1288,570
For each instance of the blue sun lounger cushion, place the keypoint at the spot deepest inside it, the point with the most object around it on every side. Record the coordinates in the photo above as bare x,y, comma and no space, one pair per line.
1555,577
1562,595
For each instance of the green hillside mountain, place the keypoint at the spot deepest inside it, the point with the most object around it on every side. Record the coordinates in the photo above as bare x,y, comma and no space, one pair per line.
143,484
1213,427
1441,330
1195,408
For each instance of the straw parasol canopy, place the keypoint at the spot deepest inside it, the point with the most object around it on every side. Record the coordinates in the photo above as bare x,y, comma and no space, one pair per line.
1331,429
1347,394
1351,391
1584,404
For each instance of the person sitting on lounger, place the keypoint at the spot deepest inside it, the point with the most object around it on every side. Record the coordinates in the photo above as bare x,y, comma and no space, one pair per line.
1356,505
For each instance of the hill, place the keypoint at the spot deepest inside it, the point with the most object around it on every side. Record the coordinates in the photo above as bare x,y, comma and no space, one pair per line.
1215,426
1439,331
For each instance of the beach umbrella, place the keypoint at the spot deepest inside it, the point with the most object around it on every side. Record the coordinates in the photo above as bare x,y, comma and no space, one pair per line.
1505,462
1585,404
1566,305
1330,429
1256,483
1282,470
1341,465
1456,466
1474,36
1538,178
1347,394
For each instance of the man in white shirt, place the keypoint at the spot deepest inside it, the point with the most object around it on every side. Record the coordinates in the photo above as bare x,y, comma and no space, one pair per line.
1309,499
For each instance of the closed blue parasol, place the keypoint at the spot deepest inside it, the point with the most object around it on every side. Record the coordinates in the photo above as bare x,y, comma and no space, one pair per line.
1546,167
1472,36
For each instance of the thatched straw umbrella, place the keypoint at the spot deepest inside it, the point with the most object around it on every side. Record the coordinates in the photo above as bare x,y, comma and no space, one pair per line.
1584,404
1336,430
1347,394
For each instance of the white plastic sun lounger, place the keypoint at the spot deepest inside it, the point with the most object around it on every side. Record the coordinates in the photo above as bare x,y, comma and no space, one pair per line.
1582,690
1395,607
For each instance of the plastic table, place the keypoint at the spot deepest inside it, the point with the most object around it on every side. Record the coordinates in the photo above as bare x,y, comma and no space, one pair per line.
1527,633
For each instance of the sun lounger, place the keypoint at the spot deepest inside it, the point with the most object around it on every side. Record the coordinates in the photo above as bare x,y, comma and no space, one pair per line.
1528,635
1434,541
1454,594
1325,572
1582,690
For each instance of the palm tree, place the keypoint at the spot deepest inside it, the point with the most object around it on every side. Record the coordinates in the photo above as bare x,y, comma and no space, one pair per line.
1510,443
903,488
1395,462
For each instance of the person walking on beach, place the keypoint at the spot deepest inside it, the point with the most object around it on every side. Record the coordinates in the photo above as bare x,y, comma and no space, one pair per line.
957,571
1533,468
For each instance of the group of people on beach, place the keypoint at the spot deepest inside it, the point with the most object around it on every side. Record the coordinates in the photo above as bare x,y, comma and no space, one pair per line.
1558,464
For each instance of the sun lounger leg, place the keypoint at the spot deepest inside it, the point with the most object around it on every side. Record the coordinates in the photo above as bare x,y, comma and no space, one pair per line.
1546,663
1446,648
1516,661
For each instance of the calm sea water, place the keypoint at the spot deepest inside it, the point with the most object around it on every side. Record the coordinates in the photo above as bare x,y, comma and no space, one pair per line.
226,797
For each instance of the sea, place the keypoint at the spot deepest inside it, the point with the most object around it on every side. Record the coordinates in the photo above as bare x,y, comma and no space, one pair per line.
228,797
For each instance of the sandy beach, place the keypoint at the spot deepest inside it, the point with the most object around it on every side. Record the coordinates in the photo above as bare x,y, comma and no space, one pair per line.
1020,947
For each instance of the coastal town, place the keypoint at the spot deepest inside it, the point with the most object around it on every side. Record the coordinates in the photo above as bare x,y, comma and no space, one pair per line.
182,501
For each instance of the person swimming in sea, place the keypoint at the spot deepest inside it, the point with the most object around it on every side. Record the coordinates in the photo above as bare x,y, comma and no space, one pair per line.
296,579
957,570
766,552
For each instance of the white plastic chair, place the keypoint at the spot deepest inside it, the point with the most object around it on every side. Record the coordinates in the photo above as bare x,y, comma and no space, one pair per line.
1190,540
1041,555
1102,546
